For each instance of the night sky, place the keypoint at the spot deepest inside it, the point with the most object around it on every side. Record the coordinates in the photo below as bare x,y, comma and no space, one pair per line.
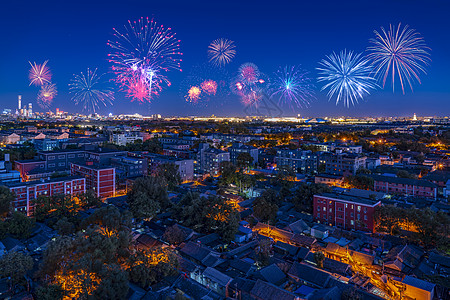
73,36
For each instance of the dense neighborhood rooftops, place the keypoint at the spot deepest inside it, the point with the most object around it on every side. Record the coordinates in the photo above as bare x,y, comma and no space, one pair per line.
404,181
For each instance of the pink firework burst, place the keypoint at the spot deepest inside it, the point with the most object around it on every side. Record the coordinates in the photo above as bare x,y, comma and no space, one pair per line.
193,95
249,73
209,87
39,74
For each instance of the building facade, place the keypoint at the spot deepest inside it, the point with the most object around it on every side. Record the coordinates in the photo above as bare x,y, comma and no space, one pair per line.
298,160
404,186
342,163
345,211
27,192
100,179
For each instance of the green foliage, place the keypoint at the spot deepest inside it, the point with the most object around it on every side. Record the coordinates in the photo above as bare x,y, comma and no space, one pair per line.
244,160
405,174
430,228
263,252
65,227
174,235
265,210
49,292
6,198
319,257
303,196
359,182
19,225
144,271
169,171
147,196
14,265
212,214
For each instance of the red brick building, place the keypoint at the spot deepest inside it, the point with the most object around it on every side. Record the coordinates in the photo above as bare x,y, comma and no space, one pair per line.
100,179
345,211
404,186
27,192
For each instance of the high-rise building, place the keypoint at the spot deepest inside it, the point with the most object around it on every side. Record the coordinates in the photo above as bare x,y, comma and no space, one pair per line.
20,102
30,109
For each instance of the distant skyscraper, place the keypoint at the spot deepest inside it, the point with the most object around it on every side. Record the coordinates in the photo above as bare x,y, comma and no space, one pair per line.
30,109
414,117
20,102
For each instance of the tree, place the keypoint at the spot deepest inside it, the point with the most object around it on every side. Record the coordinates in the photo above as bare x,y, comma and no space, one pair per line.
265,210
49,292
174,235
19,225
319,257
227,172
110,219
147,196
15,265
359,182
244,160
147,266
303,196
65,227
208,214
169,171
405,174
114,284
263,251
6,198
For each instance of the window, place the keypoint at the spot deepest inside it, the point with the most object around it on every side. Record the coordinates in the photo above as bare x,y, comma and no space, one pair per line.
358,216
318,208
318,215
346,205
365,218
71,156
352,222
331,210
365,209
51,157
51,165
324,208
61,156
351,215
359,208
81,155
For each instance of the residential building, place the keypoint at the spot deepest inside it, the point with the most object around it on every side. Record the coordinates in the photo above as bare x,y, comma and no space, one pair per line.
404,186
100,179
127,167
298,160
27,192
342,163
345,211
329,179
185,166
239,148
210,159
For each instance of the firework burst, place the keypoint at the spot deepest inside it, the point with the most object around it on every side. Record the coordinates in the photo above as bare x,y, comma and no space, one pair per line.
292,85
46,95
399,53
250,85
221,52
39,74
347,77
193,95
90,91
144,52
209,87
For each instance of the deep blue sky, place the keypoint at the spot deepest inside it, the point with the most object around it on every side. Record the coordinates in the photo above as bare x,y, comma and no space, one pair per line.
72,35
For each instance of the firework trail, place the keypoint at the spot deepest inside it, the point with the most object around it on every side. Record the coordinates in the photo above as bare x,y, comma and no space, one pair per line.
292,85
46,95
221,52
39,74
399,53
347,77
144,52
90,91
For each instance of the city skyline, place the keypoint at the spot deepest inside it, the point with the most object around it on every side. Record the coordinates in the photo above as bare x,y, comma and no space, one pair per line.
74,39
